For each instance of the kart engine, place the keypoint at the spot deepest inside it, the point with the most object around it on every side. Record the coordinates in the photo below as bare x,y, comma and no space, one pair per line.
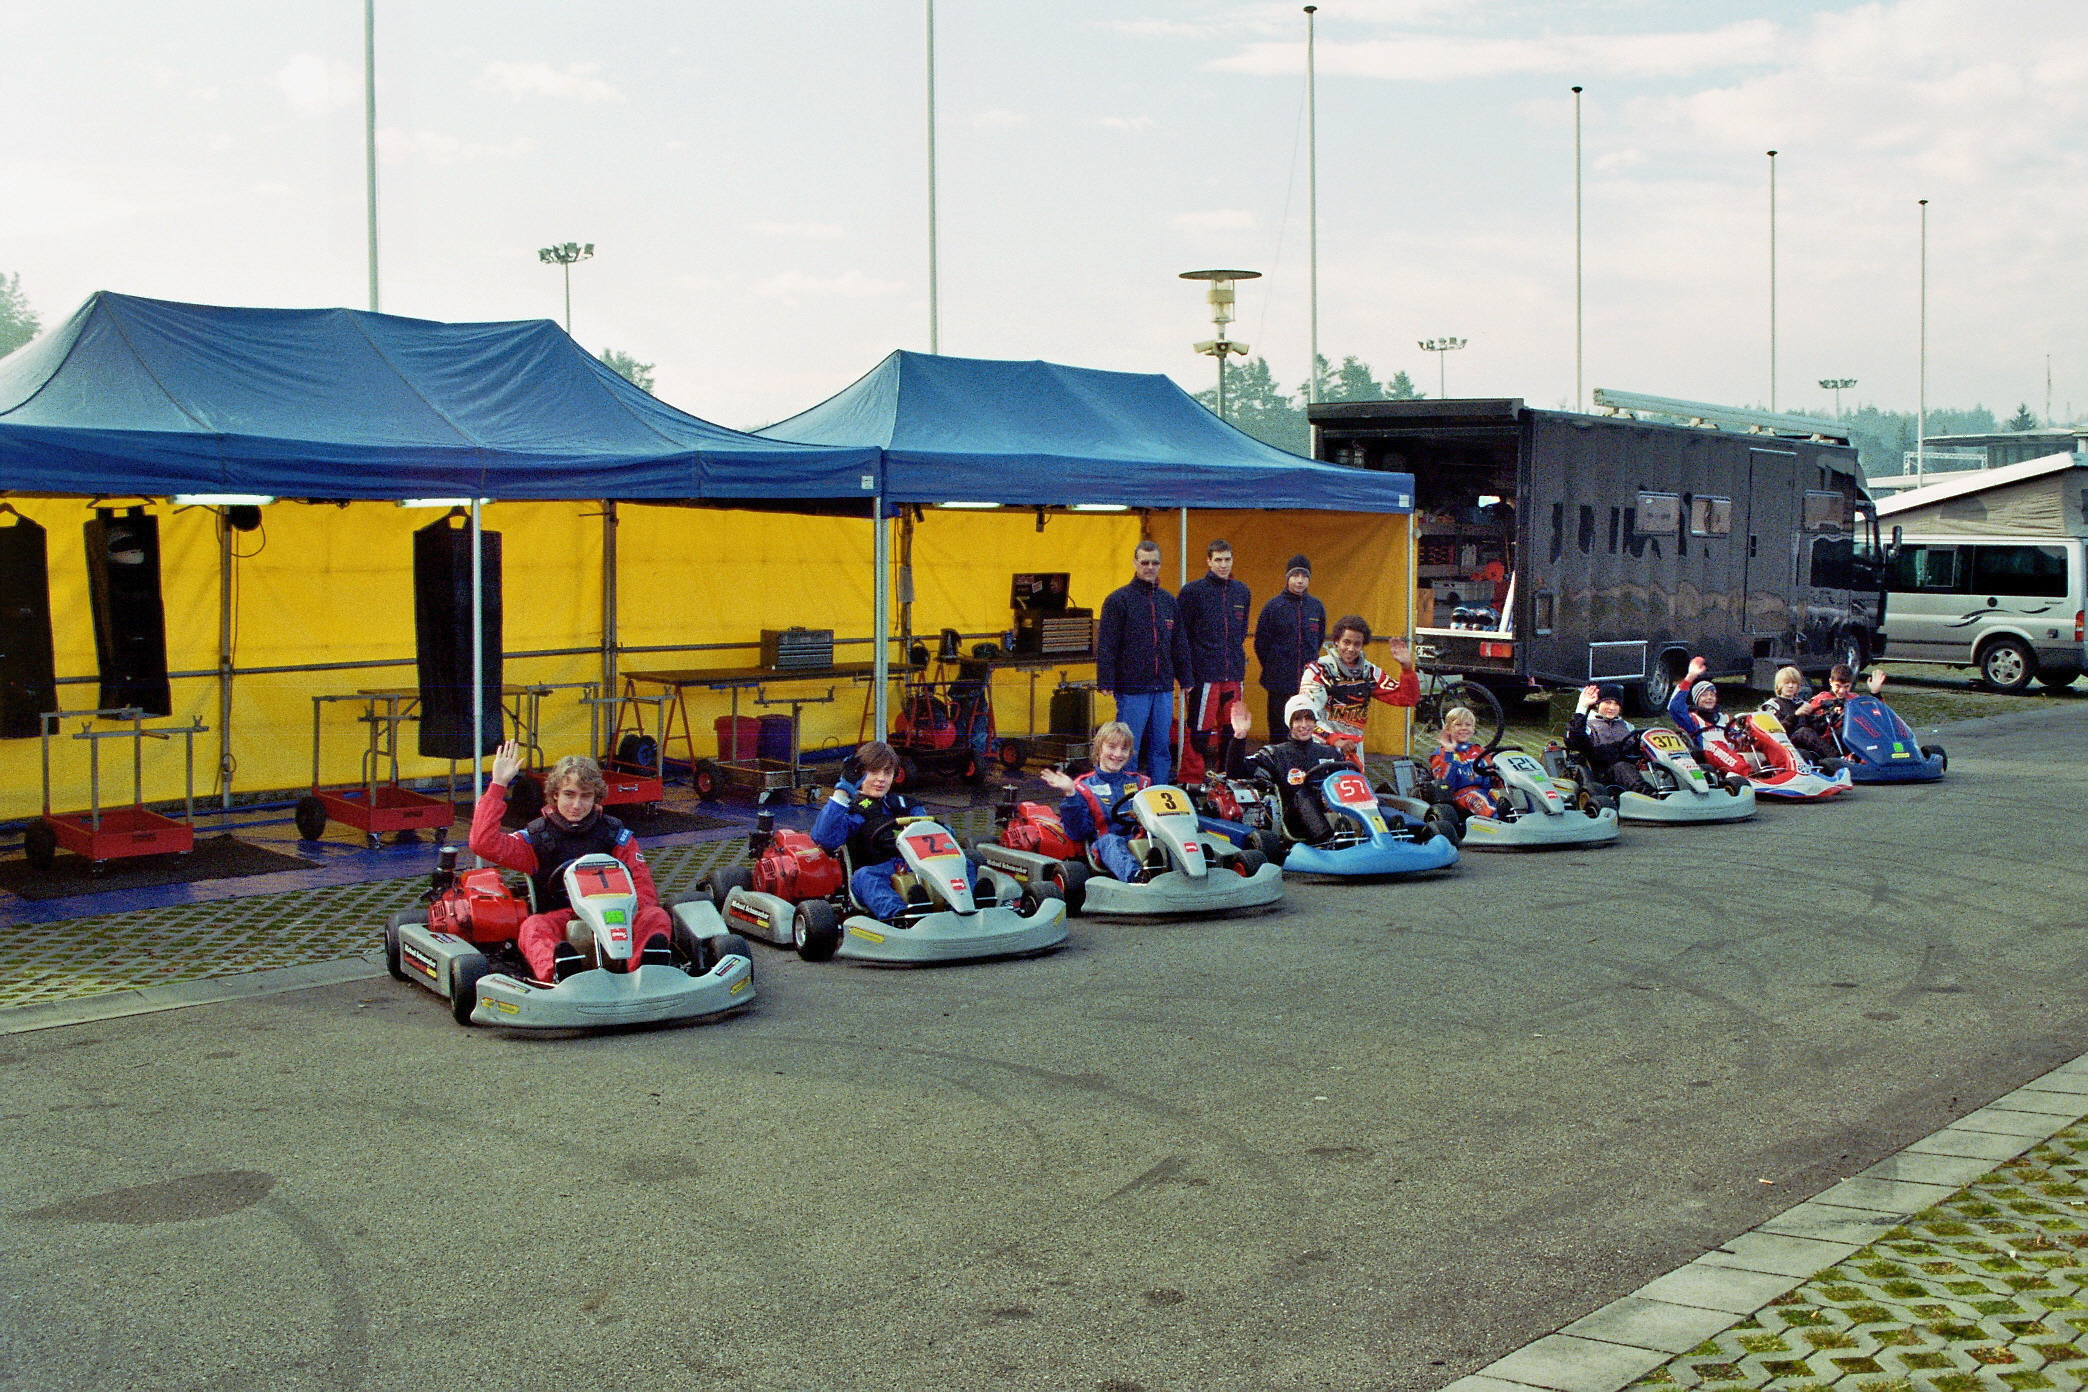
792,866
477,907
1036,827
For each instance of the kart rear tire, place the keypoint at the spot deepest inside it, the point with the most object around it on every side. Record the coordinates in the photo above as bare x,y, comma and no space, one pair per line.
1070,880
1267,845
392,925
464,979
1936,751
723,882
310,818
40,844
1250,863
1735,784
1013,755
1448,821
816,927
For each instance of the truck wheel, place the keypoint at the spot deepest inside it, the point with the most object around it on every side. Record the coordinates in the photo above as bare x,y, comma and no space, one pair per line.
311,817
1070,879
817,928
723,882
1850,650
1659,687
464,980
40,844
392,926
2007,665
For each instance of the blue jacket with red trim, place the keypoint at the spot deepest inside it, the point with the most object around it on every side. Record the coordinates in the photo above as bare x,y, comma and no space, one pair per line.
1139,644
1086,808
1287,635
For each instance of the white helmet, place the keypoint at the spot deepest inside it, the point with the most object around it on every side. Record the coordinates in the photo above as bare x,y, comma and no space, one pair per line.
1300,702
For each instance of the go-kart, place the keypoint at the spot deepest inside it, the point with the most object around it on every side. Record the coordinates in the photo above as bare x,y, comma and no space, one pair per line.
1683,789
1544,809
1755,747
797,895
460,944
1372,834
1878,747
1185,870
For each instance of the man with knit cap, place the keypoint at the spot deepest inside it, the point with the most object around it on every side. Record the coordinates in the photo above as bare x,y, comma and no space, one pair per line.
1288,635
1140,654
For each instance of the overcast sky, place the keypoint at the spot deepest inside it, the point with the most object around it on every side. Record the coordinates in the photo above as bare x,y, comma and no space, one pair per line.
754,177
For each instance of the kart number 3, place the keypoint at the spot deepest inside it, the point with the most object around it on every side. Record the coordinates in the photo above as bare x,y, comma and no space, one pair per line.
1164,802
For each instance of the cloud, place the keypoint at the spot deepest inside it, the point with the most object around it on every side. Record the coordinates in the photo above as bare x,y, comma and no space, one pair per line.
1445,58
849,285
518,80
989,119
816,231
1213,220
395,146
1127,123
314,86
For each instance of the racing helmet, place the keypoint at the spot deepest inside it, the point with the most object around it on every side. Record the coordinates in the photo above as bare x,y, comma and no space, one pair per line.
1300,702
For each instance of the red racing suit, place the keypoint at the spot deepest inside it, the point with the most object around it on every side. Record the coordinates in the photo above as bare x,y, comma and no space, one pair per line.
1343,696
541,933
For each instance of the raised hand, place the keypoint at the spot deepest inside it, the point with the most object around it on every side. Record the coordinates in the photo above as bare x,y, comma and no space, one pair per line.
1401,651
1056,778
1242,722
507,762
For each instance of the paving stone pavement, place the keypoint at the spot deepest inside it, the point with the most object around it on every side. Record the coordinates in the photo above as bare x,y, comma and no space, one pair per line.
1978,1282
49,963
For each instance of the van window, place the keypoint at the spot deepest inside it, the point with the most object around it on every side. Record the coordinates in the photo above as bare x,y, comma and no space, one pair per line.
1826,512
1709,517
1659,513
1832,563
1926,569
2033,571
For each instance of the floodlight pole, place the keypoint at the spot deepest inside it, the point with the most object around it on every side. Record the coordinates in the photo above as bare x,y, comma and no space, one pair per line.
1220,299
934,285
1772,280
1442,348
370,135
1580,397
1921,415
563,256
1311,201
1835,385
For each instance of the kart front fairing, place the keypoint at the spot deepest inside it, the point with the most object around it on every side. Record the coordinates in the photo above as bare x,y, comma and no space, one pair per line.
1882,749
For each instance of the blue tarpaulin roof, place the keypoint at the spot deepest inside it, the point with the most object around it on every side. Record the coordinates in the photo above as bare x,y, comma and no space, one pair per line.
137,396
1030,433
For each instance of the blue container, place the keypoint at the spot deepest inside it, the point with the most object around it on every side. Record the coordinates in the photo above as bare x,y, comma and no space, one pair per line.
775,739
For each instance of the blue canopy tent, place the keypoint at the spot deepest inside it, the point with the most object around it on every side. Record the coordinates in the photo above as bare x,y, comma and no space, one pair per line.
141,397
982,432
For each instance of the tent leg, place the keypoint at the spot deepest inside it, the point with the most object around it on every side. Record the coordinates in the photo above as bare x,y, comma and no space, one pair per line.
224,522
478,652
1182,700
906,586
609,602
881,620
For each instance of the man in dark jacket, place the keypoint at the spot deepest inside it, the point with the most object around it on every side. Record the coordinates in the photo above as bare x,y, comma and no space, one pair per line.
1140,654
1214,615
1288,635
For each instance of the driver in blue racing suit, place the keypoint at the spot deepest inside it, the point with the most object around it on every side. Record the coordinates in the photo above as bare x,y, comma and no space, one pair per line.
864,817
1092,797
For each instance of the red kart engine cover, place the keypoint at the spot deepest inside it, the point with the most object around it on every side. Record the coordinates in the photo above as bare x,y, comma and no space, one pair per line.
795,868
479,909
1224,805
1036,827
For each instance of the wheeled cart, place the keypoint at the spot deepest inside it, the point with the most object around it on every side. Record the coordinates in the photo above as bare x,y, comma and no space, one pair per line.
375,808
100,834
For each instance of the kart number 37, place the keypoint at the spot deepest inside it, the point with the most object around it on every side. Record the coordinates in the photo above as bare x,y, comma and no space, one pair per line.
1165,802
1664,740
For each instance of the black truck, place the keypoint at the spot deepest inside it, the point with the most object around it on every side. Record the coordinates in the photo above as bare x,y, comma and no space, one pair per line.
1558,549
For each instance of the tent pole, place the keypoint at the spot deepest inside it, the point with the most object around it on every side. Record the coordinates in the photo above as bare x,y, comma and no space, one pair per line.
881,625
1182,703
906,585
478,653
224,521
609,600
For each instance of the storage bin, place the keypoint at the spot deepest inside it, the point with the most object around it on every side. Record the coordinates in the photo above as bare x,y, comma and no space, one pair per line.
775,738
739,737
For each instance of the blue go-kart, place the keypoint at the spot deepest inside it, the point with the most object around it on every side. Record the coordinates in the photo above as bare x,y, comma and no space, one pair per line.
1878,747
1369,837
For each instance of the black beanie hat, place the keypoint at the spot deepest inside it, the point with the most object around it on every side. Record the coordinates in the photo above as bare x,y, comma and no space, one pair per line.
1298,562
1609,691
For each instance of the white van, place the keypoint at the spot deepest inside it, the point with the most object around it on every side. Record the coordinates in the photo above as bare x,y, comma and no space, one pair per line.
2010,606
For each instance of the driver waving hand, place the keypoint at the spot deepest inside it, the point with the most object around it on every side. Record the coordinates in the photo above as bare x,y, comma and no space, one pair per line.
1093,797
864,817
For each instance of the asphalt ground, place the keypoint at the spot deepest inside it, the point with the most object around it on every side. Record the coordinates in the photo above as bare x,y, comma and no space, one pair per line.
1375,1140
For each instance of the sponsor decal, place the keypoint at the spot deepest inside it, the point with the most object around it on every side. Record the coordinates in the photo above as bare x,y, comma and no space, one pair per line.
746,915
865,934
1189,848
619,933
1296,777
613,916
419,962
742,984
504,1007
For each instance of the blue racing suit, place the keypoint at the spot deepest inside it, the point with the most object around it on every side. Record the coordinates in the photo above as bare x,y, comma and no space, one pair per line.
1085,816
868,827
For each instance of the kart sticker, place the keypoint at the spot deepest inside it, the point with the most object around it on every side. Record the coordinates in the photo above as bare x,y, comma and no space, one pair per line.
424,965
1163,801
929,842
1353,790
504,1007
603,881
1666,741
742,984
865,933
613,916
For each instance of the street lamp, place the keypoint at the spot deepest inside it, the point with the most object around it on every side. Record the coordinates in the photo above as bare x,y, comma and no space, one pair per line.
1835,385
1442,348
563,256
1221,301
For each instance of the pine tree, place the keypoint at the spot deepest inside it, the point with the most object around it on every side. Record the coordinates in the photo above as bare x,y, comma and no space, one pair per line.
638,374
18,322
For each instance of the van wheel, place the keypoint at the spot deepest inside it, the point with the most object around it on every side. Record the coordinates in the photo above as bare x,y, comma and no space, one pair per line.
1659,687
1849,650
2007,665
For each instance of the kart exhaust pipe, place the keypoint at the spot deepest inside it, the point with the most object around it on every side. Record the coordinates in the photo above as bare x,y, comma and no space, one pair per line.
764,831
1004,810
445,873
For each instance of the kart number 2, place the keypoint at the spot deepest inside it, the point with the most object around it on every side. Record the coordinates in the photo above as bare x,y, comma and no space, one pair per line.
1165,802
928,844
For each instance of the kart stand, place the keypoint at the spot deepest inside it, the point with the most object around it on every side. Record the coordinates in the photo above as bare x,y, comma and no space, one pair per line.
631,777
764,778
100,834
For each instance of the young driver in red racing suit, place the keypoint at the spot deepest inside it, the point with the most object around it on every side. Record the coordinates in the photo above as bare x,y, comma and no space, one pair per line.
572,825
1343,683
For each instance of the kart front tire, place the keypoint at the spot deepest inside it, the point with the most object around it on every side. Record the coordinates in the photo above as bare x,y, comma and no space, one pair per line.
816,928
464,979
1250,863
1070,880
1735,784
723,882
1037,894
1936,751
392,926
1266,845
725,945
1447,821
